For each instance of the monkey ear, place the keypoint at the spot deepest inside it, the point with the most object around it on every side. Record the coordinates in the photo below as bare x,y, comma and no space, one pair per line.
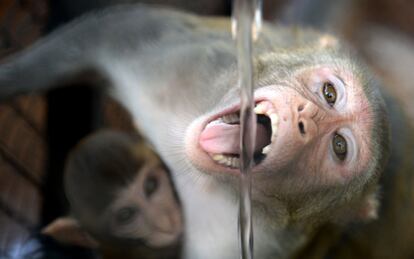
368,210
365,210
67,230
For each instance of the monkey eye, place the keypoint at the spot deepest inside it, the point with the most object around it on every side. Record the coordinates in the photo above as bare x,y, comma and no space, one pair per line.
125,215
329,93
339,146
151,184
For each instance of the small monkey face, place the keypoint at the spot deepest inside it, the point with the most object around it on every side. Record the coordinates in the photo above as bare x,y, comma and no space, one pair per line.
311,132
147,210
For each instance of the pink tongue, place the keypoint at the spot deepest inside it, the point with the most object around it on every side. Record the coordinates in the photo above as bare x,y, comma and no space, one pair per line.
224,138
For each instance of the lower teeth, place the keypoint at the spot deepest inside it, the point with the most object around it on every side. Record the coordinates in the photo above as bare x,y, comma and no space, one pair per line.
266,150
226,160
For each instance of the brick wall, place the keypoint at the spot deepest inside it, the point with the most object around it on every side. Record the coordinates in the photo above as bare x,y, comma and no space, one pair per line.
22,142
23,147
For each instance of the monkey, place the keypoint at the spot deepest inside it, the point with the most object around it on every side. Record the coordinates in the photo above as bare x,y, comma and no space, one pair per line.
322,139
390,53
121,199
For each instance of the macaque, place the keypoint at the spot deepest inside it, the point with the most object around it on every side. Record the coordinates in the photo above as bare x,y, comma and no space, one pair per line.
121,200
384,39
322,141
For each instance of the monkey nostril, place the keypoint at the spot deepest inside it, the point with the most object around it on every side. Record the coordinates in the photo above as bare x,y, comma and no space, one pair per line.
301,128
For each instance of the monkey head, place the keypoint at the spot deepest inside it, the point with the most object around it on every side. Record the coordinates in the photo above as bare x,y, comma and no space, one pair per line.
121,193
146,209
321,140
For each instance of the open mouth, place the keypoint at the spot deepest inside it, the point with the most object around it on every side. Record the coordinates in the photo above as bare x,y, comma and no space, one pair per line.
221,137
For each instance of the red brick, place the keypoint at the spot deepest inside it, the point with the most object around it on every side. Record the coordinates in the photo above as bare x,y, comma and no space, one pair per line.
18,194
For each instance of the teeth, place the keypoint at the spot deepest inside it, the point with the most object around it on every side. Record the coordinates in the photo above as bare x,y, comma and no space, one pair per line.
218,157
213,123
229,161
267,109
260,108
231,118
266,150
274,122
236,162
274,118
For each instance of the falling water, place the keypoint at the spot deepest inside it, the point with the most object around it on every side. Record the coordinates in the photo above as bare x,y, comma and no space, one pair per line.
246,25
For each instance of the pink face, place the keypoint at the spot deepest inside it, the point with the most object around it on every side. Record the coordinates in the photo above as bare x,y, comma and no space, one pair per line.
147,209
314,132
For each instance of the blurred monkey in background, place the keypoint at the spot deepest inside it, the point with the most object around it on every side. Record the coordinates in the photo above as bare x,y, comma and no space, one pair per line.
122,199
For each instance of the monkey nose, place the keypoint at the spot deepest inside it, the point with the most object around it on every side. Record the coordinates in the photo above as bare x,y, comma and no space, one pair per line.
301,127
306,112
165,224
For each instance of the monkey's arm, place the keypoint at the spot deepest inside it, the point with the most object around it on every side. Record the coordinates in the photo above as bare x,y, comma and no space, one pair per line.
67,230
85,46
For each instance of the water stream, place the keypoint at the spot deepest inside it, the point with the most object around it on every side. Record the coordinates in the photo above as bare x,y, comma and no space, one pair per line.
246,25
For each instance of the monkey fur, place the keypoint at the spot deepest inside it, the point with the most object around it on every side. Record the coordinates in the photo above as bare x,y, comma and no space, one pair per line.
176,74
122,199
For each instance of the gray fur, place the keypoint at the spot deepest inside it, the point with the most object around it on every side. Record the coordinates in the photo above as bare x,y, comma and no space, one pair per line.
168,69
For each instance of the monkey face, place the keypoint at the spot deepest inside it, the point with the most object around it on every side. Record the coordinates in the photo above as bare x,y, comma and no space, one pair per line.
147,210
311,133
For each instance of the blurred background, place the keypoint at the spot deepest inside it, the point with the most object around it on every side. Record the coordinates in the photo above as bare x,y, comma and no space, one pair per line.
36,132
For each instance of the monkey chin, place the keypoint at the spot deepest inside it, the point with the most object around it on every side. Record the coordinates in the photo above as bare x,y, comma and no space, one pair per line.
207,139
163,239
